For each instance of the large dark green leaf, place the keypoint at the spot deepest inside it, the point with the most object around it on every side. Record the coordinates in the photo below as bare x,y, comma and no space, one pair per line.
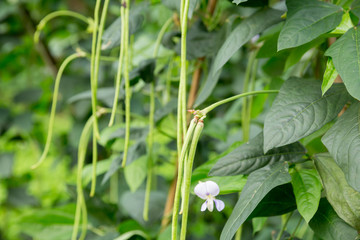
247,29
250,157
307,190
327,225
345,53
344,199
299,110
278,201
355,8
308,22
343,143
259,183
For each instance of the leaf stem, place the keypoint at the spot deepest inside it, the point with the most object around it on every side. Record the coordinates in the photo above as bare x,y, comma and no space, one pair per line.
214,105
55,14
53,106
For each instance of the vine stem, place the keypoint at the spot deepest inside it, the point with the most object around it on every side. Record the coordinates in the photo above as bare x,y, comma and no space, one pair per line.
53,106
121,59
226,100
127,83
152,126
56,14
187,177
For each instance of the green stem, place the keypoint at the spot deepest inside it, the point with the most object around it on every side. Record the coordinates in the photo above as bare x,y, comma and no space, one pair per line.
296,228
214,105
127,84
53,106
152,126
119,70
183,72
80,206
244,111
55,14
188,137
161,35
94,163
97,65
284,226
150,152
238,233
188,173
167,94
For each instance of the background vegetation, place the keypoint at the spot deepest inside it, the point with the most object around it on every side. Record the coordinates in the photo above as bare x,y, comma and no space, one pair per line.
270,148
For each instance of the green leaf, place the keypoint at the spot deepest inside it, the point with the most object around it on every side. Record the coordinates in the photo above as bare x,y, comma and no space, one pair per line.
130,234
355,8
344,25
258,223
6,165
145,70
343,141
259,183
278,201
250,157
200,42
227,184
343,198
133,204
297,53
42,224
299,110
308,22
239,1
135,173
307,190
330,75
101,167
327,225
247,29
345,53
105,95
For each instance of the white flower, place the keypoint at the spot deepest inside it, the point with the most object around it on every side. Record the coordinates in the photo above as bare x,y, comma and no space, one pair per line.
207,191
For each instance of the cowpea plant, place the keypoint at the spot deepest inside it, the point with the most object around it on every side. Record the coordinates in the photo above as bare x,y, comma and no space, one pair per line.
257,101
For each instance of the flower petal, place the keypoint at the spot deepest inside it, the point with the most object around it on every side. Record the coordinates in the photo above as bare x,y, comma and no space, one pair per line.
212,188
203,206
220,205
200,190
210,205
